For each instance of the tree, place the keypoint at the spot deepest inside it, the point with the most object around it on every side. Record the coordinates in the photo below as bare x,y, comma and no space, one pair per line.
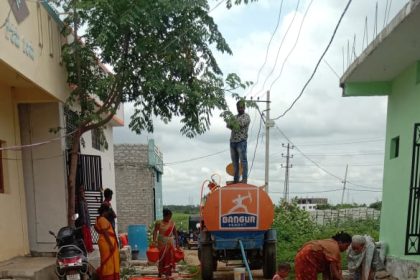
376,205
161,57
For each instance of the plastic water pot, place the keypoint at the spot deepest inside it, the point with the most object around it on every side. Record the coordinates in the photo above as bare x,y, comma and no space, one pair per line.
137,239
239,273
152,254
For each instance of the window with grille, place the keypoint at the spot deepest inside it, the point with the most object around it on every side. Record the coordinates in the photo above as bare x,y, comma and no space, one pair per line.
96,139
71,118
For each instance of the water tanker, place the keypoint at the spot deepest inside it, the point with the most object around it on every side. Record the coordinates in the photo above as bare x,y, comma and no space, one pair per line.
235,216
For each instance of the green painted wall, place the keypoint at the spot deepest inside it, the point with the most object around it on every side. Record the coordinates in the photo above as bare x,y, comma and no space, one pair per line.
367,88
403,113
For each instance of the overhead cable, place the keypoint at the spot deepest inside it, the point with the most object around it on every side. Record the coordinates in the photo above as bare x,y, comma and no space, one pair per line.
317,64
268,48
314,162
292,49
281,45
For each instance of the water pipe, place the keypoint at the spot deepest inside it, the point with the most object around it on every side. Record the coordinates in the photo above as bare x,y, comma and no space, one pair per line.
245,260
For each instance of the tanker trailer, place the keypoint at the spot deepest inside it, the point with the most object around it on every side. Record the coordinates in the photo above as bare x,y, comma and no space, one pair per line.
235,216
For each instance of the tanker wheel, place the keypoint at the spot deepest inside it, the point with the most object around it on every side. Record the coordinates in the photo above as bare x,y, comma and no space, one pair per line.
214,264
269,264
207,262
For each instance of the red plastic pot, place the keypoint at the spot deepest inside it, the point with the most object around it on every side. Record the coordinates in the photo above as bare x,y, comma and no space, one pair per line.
152,254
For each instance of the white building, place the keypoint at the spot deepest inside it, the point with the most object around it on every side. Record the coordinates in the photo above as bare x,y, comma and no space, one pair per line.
311,204
33,89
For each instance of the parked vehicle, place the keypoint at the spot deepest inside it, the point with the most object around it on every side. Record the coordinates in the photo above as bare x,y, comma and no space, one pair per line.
71,257
236,225
194,231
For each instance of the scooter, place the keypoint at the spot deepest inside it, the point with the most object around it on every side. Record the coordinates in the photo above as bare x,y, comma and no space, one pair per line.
71,258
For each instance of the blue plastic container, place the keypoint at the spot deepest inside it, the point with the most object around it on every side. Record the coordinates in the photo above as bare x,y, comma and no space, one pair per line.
137,238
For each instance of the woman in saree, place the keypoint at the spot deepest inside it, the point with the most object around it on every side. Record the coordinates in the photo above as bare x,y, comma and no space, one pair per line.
322,256
108,246
165,236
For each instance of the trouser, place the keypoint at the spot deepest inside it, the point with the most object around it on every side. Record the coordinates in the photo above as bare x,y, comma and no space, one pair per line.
238,154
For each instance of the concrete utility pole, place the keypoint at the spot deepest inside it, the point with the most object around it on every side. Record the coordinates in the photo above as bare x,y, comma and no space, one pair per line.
268,123
267,141
287,166
344,185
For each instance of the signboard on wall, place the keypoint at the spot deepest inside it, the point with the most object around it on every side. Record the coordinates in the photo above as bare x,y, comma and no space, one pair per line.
20,9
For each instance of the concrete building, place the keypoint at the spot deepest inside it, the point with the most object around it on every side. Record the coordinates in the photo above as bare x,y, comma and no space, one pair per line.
310,204
33,89
138,172
390,66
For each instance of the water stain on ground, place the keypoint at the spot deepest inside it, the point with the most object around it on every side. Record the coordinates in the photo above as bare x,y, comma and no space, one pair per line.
224,272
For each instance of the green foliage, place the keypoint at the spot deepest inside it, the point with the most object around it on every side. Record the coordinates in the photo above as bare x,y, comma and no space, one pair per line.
340,206
181,220
294,228
186,209
376,205
161,54
127,272
229,3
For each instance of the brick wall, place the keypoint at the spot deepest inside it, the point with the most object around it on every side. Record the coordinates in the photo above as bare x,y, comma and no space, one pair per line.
134,186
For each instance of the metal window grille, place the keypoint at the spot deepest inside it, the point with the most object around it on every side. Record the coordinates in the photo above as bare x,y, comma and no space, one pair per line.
94,200
89,175
412,242
71,120
96,139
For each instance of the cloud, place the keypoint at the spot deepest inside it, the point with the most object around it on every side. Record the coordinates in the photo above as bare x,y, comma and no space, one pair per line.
320,117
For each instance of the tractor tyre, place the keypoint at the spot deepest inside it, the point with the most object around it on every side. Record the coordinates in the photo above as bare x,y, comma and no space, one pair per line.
214,264
207,262
269,264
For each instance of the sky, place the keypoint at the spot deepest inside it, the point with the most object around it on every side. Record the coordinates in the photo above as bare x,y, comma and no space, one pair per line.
328,131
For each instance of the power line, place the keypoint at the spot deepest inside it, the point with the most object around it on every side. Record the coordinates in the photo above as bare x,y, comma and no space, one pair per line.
318,63
255,150
281,44
325,191
293,47
314,162
195,158
336,165
268,47
375,152
357,141
332,69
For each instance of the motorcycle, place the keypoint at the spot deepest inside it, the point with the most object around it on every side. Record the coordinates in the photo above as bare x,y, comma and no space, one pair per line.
71,257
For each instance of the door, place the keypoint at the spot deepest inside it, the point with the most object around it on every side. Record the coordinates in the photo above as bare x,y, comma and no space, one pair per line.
412,243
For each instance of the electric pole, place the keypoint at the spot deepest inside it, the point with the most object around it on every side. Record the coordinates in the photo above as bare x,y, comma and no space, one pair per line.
268,123
344,185
287,166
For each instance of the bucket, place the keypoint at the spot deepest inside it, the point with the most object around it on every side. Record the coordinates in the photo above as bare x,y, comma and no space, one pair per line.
137,239
239,273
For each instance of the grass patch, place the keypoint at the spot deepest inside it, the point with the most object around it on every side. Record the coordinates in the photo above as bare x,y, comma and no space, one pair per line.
181,221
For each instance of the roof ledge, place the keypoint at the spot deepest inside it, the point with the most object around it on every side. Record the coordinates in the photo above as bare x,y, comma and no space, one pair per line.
367,88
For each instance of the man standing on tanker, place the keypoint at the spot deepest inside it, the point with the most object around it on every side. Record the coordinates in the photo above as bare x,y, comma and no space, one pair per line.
238,142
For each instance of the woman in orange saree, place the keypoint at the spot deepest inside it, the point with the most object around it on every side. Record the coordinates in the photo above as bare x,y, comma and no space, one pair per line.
322,256
108,247
165,235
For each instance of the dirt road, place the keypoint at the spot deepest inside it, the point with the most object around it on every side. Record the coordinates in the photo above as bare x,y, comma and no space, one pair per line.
223,272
